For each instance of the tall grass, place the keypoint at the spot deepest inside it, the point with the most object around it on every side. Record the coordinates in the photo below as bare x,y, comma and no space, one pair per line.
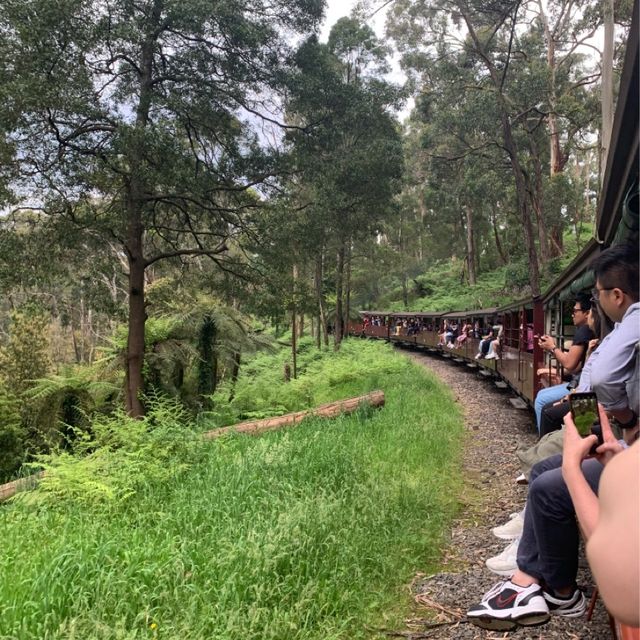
309,533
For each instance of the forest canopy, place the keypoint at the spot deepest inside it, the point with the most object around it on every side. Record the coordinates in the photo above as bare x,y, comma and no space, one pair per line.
184,183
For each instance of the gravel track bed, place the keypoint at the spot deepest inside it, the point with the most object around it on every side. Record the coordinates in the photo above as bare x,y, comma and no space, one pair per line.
495,430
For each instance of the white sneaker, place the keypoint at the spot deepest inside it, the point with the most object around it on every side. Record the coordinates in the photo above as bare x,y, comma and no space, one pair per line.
512,529
573,606
507,606
505,563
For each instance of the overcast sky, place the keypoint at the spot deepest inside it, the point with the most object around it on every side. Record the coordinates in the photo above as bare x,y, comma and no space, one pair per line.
336,9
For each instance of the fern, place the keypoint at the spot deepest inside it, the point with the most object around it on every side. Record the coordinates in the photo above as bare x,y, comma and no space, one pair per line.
119,456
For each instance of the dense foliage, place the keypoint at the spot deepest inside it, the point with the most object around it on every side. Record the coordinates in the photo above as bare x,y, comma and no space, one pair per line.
304,533
183,183
196,197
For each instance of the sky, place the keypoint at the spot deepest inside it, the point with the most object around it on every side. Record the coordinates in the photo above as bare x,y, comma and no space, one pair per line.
338,8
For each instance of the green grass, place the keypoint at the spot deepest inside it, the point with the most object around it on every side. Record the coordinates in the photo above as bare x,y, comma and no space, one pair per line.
308,533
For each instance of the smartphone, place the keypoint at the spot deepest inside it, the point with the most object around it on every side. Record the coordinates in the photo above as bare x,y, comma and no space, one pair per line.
584,411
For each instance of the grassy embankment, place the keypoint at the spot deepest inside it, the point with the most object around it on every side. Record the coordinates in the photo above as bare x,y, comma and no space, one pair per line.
306,533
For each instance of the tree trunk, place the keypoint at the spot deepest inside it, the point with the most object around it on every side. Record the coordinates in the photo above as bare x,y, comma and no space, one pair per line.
235,372
347,297
496,236
137,319
421,234
294,331
207,358
301,326
537,203
318,333
76,348
135,232
471,258
337,330
523,206
322,313
557,159
330,410
607,85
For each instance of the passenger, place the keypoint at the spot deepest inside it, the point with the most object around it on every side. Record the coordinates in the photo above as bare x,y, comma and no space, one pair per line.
572,360
443,335
527,336
461,339
494,345
450,335
548,549
485,343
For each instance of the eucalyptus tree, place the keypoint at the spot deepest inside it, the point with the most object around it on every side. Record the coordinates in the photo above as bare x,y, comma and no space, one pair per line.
484,40
141,113
349,151
482,36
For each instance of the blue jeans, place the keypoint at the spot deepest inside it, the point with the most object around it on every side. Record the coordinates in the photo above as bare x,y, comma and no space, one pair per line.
550,394
548,549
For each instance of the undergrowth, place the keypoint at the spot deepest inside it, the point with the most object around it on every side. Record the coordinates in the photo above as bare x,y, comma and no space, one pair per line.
443,286
308,533
263,392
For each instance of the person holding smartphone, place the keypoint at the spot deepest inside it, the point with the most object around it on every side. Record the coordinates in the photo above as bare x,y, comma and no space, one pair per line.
571,360
610,521
548,549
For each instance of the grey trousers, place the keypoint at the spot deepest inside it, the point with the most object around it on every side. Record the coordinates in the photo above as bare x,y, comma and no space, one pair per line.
548,549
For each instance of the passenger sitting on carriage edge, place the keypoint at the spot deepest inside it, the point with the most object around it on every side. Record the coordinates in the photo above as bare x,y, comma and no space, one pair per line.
571,360
548,549
494,345
485,343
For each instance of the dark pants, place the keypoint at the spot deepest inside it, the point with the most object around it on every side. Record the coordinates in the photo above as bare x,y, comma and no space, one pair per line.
548,549
551,417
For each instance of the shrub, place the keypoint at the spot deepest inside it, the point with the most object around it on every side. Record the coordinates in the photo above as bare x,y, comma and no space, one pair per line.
120,455
12,436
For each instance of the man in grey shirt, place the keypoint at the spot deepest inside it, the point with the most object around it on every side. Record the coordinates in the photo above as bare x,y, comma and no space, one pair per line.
548,549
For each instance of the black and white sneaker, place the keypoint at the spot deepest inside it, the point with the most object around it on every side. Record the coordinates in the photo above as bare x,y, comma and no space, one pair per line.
573,606
508,605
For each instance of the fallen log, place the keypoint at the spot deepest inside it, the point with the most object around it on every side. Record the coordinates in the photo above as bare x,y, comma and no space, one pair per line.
329,410
9,489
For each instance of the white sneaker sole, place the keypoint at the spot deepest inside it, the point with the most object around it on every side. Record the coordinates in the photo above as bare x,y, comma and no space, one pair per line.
508,624
506,536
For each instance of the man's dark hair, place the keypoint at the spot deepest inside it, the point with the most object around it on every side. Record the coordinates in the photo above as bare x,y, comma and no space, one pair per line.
617,267
584,300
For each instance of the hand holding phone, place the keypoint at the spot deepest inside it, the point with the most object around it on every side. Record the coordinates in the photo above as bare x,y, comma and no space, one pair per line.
584,411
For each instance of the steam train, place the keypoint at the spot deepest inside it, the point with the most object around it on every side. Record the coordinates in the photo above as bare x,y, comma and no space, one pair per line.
520,356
